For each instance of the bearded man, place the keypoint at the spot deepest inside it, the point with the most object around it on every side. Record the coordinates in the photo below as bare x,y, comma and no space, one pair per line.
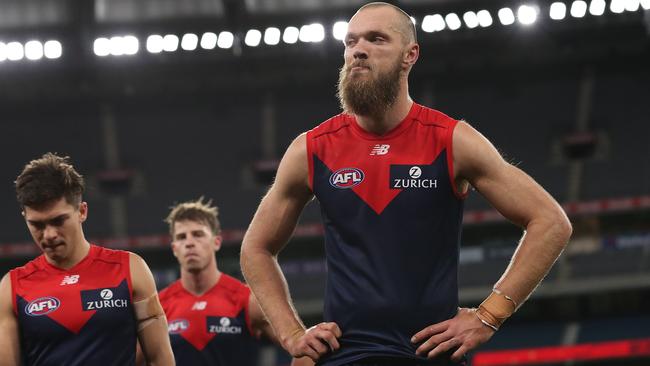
391,176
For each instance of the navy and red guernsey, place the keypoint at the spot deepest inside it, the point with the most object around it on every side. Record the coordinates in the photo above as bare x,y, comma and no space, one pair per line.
392,222
80,316
211,329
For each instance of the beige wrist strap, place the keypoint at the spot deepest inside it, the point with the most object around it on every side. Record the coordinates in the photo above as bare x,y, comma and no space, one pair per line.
494,310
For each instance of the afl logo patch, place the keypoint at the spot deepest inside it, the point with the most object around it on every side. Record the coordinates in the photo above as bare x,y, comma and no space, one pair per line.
178,326
346,178
42,306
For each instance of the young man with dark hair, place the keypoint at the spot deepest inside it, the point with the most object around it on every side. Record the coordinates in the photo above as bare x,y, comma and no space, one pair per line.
77,303
390,176
213,318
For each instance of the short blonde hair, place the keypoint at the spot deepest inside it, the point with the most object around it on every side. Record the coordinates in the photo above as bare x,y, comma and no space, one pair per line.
197,211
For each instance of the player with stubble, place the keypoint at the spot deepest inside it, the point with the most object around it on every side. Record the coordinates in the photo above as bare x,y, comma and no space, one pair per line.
77,303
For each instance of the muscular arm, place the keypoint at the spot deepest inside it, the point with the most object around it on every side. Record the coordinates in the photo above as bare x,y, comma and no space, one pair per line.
9,344
152,336
271,228
259,323
522,201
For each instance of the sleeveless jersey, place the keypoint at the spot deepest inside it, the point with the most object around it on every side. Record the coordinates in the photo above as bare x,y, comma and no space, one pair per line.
211,329
79,316
392,219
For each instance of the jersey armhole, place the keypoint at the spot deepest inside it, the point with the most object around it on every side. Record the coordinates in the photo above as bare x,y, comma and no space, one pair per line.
13,282
310,159
129,280
450,159
247,313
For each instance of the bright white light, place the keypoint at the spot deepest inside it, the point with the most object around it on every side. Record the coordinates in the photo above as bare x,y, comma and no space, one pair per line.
617,6
226,39
471,19
339,29
3,51
15,51
434,23
208,41
189,41
506,16
597,7
527,15
632,5
170,43
155,43
272,36
645,4
558,11
130,45
578,9
290,35
311,33
253,38
484,18
52,49
453,21
102,47
34,50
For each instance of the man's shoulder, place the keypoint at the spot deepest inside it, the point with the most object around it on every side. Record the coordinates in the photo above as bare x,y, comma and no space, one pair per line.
433,117
331,125
170,291
110,255
27,269
233,285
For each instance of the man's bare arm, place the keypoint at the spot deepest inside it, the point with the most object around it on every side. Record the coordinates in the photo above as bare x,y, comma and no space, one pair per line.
271,228
152,323
9,343
522,201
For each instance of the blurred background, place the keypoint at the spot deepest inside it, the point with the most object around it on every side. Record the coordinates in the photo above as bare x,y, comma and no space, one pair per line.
163,101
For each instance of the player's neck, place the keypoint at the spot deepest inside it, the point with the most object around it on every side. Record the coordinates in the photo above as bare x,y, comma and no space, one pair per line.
198,283
80,250
380,125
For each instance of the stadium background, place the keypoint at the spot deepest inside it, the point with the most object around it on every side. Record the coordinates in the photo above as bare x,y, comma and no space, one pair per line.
160,117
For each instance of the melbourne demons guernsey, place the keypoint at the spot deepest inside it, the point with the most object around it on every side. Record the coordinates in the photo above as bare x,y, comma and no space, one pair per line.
79,316
211,329
392,219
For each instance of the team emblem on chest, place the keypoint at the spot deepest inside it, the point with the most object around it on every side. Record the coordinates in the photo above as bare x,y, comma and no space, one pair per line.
42,306
346,178
105,298
413,177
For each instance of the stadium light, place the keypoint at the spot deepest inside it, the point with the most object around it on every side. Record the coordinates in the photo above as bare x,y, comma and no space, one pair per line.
471,19
225,40
189,42
617,6
557,11
208,41
3,52
272,36
433,23
632,5
453,21
506,16
33,50
339,29
130,45
155,43
645,4
290,35
527,14
15,51
484,18
170,43
311,33
578,9
253,38
102,47
52,49
597,7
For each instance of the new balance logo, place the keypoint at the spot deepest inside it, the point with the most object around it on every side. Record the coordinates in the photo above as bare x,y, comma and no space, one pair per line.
70,280
379,150
199,305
